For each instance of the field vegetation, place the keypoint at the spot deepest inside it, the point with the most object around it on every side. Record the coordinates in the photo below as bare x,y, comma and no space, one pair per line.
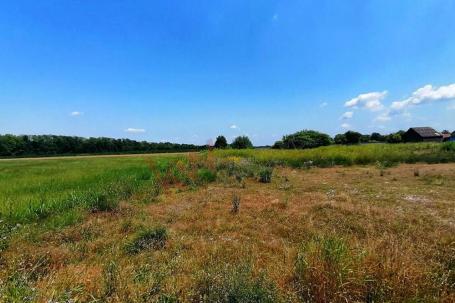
369,223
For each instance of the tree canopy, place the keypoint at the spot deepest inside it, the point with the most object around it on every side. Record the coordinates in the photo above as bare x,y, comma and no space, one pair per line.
43,145
221,142
304,139
242,142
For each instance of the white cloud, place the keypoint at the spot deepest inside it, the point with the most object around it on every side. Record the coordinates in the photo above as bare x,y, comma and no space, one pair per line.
370,101
135,130
233,126
345,125
426,94
347,115
323,104
75,114
384,117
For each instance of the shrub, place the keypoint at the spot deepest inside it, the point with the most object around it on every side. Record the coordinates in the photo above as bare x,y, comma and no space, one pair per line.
234,284
154,238
265,175
448,147
242,142
101,202
305,139
325,272
205,175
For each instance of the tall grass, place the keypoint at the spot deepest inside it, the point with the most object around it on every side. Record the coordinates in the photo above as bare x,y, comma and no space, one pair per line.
36,190
350,155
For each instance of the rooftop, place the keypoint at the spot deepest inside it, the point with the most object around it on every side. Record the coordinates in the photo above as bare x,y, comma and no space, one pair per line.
426,132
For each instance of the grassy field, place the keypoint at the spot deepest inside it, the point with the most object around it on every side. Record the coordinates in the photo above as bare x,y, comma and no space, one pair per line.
232,226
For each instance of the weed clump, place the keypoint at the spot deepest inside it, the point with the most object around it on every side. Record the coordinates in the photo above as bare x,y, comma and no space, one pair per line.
110,279
101,202
325,271
265,175
154,238
448,147
234,284
205,175
235,203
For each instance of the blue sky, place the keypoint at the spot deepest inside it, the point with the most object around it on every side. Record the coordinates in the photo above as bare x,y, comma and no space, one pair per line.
187,71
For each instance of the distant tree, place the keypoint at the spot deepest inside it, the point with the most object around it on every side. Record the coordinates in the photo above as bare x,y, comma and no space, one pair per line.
340,139
221,142
242,142
41,145
278,145
365,138
353,137
305,139
377,137
395,137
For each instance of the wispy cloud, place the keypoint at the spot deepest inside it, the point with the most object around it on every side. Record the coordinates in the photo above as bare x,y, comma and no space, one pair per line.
384,117
345,126
135,130
323,104
76,114
370,101
233,126
426,94
275,17
347,115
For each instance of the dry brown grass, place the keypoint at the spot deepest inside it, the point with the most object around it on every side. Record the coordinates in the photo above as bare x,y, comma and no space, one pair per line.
396,233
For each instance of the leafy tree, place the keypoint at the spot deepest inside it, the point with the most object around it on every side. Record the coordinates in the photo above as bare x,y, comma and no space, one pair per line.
340,139
353,137
305,139
395,138
221,142
365,138
377,137
242,142
278,145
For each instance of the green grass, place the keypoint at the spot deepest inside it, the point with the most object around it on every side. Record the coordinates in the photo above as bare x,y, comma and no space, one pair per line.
32,190
320,235
386,154
35,190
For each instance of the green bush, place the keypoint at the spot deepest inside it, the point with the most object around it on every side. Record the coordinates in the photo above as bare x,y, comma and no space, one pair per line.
304,139
102,202
205,175
234,284
154,238
265,175
448,147
326,270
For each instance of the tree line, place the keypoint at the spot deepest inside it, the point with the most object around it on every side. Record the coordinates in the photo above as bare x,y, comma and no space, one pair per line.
47,145
311,139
